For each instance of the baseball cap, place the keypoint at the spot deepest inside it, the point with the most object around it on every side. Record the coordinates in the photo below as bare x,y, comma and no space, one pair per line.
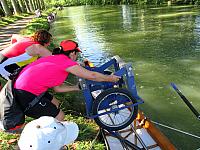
47,133
69,45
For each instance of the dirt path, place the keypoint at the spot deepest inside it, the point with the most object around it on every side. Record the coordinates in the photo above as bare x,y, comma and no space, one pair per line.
14,28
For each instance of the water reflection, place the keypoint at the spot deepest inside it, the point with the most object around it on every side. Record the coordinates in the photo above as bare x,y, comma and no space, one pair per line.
197,34
127,17
91,42
163,43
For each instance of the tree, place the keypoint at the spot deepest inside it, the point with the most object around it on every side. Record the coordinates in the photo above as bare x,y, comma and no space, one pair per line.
6,8
15,7
22,6
31,5
39,4
27,6
42,4
34,6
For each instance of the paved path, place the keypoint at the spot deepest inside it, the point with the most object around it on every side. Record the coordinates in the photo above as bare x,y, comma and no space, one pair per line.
14,28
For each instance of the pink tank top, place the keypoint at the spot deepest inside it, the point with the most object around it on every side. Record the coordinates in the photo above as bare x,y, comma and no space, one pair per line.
44,73
17,48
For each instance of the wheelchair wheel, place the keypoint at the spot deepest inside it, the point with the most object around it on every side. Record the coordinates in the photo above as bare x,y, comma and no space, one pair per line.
109,102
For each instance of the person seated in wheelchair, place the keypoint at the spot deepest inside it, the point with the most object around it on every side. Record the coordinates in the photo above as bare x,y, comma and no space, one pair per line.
51,72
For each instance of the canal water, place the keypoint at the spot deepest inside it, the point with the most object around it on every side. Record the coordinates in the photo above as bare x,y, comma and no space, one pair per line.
162,43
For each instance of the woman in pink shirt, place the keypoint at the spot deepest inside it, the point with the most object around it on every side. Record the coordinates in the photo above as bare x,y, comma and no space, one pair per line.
51,72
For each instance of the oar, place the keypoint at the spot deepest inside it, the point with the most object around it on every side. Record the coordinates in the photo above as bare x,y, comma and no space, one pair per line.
195,112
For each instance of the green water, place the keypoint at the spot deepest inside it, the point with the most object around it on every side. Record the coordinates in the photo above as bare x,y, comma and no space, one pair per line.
163,44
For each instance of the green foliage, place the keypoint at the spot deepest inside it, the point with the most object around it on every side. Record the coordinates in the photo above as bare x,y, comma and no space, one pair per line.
197,2
86,145
11,19
4,141
88,131
1,12
50,10
55,3
34,25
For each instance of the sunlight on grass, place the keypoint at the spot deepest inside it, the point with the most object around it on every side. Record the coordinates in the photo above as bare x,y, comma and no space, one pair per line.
11,19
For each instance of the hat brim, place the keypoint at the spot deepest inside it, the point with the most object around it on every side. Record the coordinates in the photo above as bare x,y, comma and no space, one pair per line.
79,50
72,132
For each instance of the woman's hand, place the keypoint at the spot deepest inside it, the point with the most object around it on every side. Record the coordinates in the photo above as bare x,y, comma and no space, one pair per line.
114,78
91,75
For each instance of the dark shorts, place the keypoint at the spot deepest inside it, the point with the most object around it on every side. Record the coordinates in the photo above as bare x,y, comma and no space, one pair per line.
11,68
2,58
43,108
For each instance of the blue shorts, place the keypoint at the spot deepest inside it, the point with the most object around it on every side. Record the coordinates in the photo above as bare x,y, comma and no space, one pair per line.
43,108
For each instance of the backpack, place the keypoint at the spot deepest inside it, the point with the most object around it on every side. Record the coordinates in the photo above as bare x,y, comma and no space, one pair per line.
11,115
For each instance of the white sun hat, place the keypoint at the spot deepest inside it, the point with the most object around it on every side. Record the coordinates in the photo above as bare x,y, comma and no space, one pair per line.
47,133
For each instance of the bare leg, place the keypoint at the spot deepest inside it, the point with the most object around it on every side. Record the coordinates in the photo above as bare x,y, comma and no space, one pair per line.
55,102
60,116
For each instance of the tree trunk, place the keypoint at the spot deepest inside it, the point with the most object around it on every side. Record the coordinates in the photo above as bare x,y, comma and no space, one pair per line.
42,4
30,5
39,4
22,6
6,8
34,7
27,6
35,4
15,6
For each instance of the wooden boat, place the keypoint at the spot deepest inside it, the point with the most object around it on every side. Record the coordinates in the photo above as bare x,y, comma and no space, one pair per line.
142,133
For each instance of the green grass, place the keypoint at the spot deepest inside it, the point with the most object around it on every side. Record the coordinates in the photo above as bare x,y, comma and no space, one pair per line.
11,19
5,141
34,25
37,23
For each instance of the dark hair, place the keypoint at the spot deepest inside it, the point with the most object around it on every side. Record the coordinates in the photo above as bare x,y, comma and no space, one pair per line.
59,50
42,37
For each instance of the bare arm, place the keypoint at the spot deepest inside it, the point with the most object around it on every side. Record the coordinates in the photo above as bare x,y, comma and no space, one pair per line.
91,75
65,88
38,50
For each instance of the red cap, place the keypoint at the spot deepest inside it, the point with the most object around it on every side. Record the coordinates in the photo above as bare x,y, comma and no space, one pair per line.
69,45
